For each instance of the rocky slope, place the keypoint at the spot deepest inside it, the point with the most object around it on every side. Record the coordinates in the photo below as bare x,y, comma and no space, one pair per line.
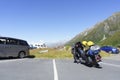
106,32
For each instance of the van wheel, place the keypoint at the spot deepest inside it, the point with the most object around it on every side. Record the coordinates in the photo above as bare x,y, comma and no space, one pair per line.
21,54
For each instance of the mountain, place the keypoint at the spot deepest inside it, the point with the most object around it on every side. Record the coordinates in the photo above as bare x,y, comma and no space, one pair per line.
106,32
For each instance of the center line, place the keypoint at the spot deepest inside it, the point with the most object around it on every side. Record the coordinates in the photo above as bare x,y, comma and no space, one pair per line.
55,70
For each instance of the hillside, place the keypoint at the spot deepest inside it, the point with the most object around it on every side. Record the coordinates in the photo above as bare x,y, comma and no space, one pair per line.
104,33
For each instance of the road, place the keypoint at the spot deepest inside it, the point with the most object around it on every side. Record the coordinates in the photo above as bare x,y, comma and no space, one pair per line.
60,69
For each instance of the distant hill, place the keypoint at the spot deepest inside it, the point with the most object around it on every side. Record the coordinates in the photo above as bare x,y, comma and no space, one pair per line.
104,33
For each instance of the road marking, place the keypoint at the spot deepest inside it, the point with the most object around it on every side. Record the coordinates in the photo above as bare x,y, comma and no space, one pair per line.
55,70
12,60
114,65
4,61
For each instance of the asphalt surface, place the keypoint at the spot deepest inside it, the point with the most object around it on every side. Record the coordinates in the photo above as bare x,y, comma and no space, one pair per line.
49,69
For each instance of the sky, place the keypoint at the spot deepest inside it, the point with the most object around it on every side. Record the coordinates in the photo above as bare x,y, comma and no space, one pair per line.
52,20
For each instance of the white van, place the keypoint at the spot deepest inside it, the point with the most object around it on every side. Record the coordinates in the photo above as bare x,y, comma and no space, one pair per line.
11,47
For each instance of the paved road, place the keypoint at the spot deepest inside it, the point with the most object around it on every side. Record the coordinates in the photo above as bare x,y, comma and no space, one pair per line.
48,69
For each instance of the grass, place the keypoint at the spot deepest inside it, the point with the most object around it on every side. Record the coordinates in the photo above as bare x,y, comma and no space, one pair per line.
104,54
58,53
52,53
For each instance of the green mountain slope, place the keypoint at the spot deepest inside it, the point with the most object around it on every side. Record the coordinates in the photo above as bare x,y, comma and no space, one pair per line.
113,40
104,33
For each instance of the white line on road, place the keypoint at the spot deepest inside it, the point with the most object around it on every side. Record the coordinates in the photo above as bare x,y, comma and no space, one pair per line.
114,65
4,61
55,70
12,60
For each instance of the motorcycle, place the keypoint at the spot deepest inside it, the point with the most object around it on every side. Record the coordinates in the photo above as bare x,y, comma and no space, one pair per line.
91,57
76,55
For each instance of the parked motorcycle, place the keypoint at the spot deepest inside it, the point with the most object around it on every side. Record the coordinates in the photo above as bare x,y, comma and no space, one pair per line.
91,57
76,55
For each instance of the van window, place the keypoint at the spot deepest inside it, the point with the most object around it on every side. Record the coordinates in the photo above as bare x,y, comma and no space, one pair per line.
2,41
24,43
12,41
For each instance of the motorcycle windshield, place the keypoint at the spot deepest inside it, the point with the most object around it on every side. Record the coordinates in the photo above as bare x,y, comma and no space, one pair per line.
95,47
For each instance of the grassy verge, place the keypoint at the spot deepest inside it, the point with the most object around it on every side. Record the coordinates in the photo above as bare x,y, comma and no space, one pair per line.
104,54
52,53
57,53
